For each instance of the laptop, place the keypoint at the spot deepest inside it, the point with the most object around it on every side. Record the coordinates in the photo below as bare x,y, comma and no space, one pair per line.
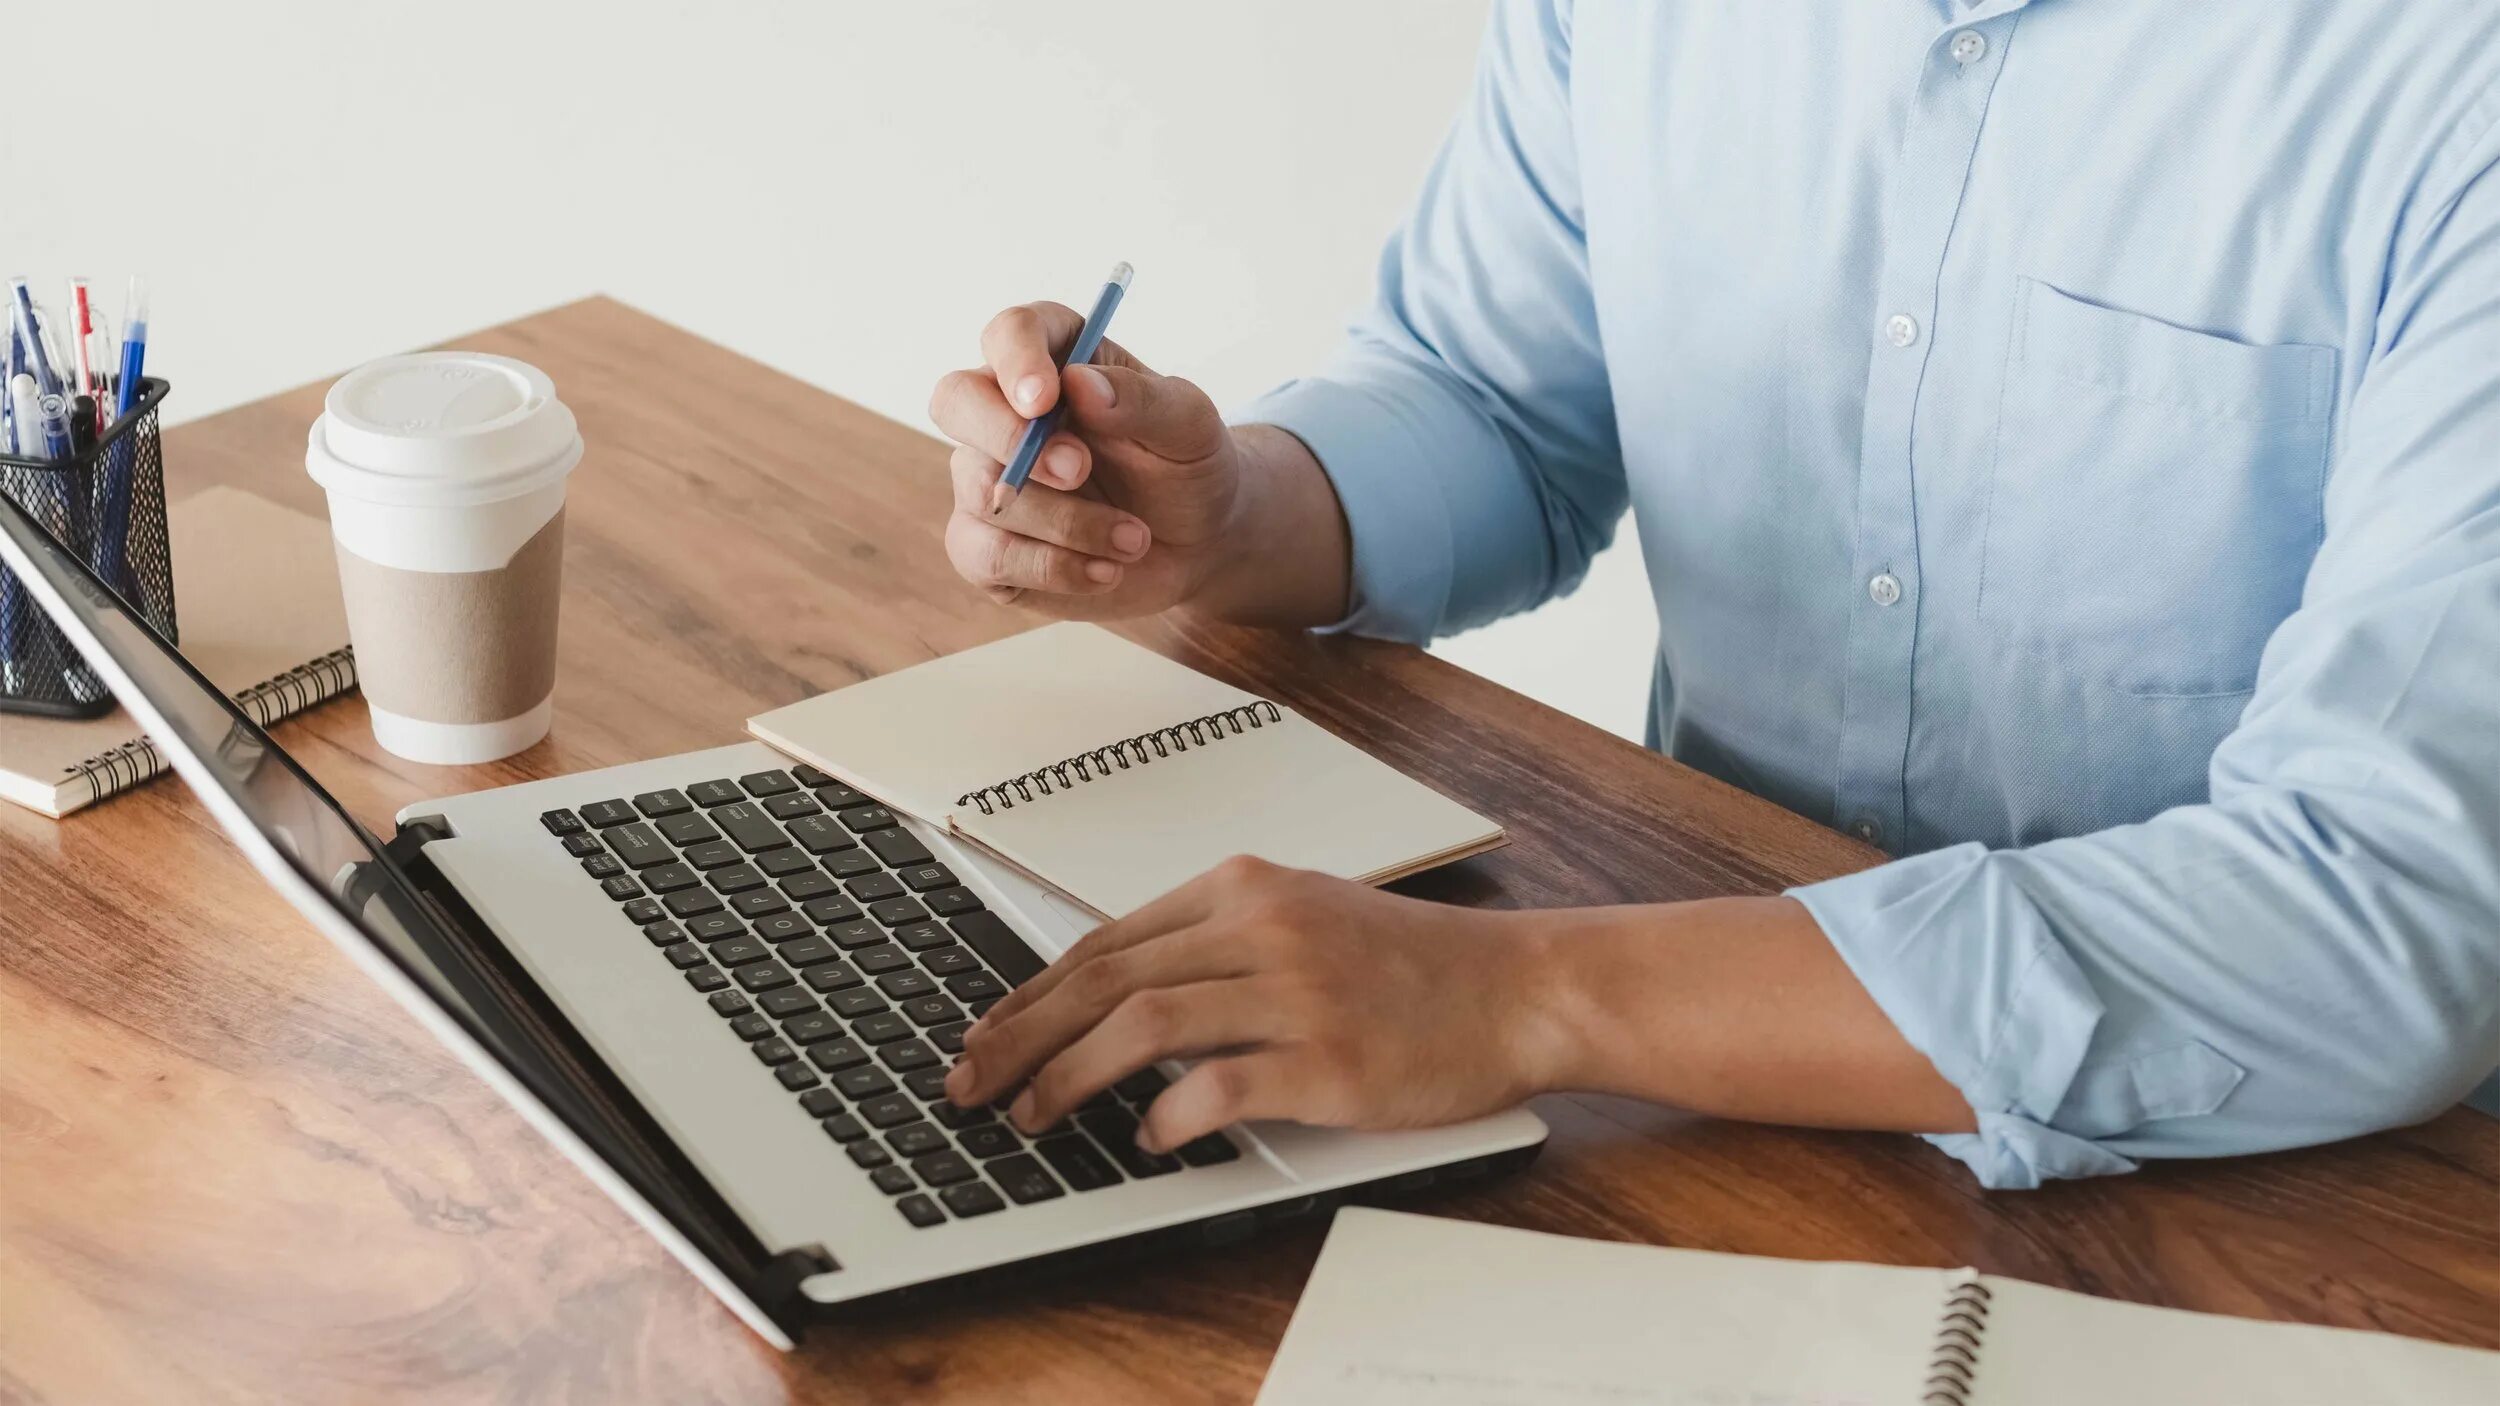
728,988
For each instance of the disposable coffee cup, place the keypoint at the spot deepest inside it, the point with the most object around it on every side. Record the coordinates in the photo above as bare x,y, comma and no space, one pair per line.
445,473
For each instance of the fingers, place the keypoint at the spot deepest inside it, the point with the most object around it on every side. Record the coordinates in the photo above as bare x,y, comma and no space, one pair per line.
1049,514
997,560
1159,1022
1167,416
1000,1054
1018,346
1183,907
1233,1089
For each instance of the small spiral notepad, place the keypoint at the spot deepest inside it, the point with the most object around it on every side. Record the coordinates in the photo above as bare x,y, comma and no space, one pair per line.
1114,774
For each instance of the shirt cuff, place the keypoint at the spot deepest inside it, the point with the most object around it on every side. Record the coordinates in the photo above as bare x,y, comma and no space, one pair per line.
1393,506
1973,978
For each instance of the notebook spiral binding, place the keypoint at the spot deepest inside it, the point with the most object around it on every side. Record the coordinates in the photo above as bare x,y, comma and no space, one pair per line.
111,772
1120,756
1960,1335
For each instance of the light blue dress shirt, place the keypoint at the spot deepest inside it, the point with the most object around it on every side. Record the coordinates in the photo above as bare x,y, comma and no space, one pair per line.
2065,439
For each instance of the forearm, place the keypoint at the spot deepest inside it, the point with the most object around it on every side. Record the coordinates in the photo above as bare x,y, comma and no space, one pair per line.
1287,560
1736,1007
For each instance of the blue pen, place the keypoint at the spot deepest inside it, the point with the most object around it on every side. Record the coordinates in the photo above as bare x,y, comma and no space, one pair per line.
113,543
1037,431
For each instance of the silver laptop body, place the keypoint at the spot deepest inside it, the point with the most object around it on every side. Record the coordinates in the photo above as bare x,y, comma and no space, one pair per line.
477,919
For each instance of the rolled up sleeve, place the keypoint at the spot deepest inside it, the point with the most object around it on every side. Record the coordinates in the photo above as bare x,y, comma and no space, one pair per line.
1467,423
2313,953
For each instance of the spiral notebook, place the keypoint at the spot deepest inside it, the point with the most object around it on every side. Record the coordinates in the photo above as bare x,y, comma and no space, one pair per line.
1406,1310
1114,774
256,591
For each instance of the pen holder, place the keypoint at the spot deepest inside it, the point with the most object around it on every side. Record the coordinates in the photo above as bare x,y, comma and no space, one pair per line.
107,506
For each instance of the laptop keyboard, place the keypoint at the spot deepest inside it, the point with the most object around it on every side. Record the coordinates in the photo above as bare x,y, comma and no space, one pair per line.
851,961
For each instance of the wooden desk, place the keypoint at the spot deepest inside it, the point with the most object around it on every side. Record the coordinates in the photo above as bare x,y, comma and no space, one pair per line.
230,1170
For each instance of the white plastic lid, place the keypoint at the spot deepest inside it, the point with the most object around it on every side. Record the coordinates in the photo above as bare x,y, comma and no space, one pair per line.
442,429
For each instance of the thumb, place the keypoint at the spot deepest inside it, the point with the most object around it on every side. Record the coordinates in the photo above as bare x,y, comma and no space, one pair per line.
1166,416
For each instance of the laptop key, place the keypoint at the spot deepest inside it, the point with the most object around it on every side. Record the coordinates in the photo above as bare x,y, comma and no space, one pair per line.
893,1181
796,1076
751,1027
921,878
602,866
880,959
639,845
931,1010
768,783
949,1038
561,822
853,933
971,1198
975,986
921,937
654,804
896,847
792,806
869,1155
834,1056
868,888
888,1110
731,1003
948,903
706,978
833,976
786,1002
739,951
760,903
714,793
861,819
784,862
853,1004
747,824
917,1139
781,927
815,1027
818,834
920,1211
684,954
692,903
1075,1159
808,951
834,794
774,1050
799,888
858,1085
663,933
821,1102
884,1027
582,846
644,912
842,1127
998,945
621,888
949,1116
712,854
737,878
712,927
894,912
949,960
988,1140
1023,1178
850,862
670,877
906,984
980,1008
907,1054
834,910
943,1168
811,777
684,830
599,815
1209,1150
763,976
1116,1130
1141,1087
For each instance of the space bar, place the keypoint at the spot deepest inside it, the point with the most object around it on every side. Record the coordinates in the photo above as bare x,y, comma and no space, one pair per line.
999,946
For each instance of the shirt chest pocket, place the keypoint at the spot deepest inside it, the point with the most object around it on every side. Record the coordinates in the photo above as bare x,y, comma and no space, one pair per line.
2156,497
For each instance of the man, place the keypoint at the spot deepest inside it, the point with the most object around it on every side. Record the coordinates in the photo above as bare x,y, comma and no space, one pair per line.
2065,438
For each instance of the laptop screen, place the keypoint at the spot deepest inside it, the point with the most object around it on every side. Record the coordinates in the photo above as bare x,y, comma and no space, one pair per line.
191,720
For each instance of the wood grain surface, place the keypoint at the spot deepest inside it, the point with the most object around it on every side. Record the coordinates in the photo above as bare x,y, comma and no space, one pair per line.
230,1170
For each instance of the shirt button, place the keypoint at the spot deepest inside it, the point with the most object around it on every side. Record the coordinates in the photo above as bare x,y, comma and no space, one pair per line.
1901,329
1968,47
1865,828
1884,589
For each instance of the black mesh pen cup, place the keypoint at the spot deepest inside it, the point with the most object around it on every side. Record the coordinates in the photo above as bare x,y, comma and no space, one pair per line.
105,502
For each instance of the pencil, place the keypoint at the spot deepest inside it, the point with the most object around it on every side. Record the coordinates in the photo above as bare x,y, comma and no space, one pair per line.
1038,430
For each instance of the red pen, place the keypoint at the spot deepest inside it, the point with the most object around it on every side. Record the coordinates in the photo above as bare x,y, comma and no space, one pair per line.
82,338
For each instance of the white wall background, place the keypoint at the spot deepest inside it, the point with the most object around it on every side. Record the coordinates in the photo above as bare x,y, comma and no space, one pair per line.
846,192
